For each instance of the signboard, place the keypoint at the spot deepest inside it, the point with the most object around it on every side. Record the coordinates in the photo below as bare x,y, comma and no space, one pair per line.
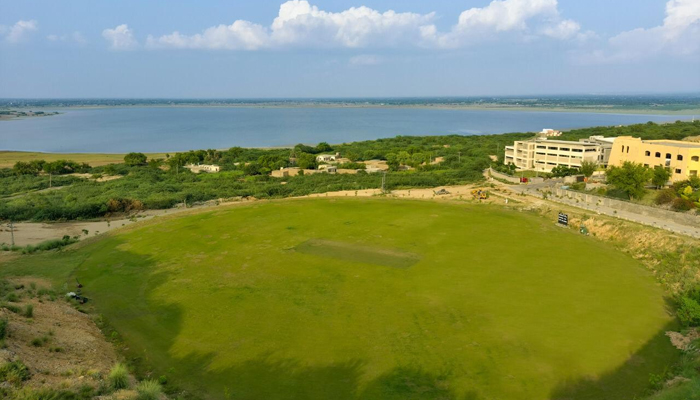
563,219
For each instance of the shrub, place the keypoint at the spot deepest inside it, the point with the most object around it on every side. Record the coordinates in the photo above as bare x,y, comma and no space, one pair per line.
665,196
14,373
29,311
149,390
11,307
688,311
119,377
3,328
680,204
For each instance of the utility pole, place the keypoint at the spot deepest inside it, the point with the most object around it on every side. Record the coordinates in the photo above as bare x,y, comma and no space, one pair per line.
384,183
12,232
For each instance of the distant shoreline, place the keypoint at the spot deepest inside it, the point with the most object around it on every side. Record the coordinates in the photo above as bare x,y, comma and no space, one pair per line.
434,106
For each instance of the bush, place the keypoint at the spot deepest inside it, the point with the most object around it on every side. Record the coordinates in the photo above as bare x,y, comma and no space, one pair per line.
29,311
680,204
14,373
119,377
3,328
688,311
665,196
149,390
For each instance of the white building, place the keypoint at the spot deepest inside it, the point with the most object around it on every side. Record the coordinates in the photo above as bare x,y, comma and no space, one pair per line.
543,154
202,168
549,133
326,157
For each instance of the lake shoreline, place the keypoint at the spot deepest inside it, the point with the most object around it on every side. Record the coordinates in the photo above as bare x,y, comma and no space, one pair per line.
427,106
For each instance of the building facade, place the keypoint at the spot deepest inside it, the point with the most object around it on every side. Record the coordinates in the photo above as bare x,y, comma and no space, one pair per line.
543,154
681,158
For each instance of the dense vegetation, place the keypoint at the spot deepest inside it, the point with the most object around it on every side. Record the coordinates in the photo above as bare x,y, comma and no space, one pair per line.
163,183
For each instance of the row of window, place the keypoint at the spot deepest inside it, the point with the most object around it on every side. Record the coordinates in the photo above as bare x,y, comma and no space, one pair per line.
564,149
678,170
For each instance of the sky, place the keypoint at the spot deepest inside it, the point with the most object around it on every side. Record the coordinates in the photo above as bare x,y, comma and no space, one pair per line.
346,48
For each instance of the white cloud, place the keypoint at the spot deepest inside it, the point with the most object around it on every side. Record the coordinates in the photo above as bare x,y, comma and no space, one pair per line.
120,38
19,31
365,59
75,37
679,35
505,16
301,24
241,35
298,23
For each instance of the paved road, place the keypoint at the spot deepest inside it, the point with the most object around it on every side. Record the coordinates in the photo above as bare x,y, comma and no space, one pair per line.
532,190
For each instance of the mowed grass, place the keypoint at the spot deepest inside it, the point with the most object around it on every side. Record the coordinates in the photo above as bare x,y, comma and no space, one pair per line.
285,300
9,158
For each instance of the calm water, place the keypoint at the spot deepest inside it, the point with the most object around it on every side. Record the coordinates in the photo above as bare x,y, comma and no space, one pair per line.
117,130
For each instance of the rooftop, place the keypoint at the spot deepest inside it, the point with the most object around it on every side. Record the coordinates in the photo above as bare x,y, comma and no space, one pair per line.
675,143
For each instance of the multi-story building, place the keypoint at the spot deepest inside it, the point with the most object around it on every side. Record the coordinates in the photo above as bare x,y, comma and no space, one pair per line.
543,154
681,158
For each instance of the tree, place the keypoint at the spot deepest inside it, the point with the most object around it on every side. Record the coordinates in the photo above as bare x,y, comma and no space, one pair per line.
630,178
392,161
135,159
52,168
323,147
306,161
660,176
588,168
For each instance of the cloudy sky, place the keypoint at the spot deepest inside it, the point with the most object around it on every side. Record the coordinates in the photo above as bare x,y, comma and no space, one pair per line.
347,48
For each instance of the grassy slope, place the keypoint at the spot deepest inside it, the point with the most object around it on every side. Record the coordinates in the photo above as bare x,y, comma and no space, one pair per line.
9,158
501,305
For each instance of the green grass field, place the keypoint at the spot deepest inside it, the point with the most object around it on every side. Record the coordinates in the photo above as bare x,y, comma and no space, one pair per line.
374,299
9,158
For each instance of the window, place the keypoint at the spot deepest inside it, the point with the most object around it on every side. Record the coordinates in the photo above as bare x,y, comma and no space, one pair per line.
693,173
540,154
679,157
668,156
628,149
647,153
695,158
552,148
564,149
678,171
623,149
590,150
542,147
646,165
577,150
657,155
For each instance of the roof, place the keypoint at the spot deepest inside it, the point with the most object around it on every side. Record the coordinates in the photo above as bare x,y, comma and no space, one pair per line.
674,143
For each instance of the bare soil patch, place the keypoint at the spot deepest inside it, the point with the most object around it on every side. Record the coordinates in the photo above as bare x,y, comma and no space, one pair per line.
61,346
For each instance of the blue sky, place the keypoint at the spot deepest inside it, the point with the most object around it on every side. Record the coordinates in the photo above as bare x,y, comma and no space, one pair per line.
347,48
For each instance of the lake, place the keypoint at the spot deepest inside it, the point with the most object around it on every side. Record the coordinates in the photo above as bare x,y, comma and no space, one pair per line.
156,129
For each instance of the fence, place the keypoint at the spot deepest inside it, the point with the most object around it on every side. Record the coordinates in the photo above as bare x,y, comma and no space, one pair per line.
592,200
512,179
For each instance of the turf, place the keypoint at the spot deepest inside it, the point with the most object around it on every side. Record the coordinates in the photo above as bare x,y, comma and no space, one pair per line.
497,304
9,158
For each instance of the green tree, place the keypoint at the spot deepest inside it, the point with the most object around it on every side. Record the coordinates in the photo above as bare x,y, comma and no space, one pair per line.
306,161
660,176
135,159
54,168
392,161
323,147
588,168
629,178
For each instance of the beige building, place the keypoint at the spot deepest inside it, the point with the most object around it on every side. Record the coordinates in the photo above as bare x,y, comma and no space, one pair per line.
681,158
203,168
543,154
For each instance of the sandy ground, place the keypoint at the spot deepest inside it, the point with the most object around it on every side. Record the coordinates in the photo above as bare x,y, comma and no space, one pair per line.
73,350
